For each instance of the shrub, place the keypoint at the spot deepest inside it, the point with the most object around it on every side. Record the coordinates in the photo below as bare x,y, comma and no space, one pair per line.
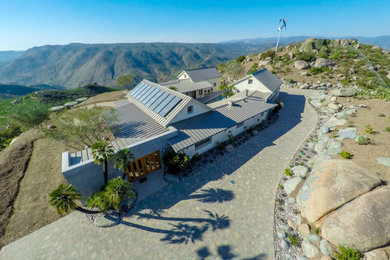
345,155
363,140
175,162
195,158
240,59
347,254
288,172
8,134
112,196
317,230
369,129
324,52
268,54
315,70
306,56
294,240
388,129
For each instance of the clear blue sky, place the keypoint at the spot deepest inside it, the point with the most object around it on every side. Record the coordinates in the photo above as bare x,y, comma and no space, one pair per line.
28,23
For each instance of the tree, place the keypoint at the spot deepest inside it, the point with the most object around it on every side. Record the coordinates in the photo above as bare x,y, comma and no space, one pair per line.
102,152
116,191
29,114
176,162
233,70
81,127
227,91
125,81
173,88
64,197
124,157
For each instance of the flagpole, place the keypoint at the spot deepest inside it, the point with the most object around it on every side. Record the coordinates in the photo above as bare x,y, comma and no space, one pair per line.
277,43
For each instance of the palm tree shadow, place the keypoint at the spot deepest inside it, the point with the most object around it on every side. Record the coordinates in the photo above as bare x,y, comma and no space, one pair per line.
213,195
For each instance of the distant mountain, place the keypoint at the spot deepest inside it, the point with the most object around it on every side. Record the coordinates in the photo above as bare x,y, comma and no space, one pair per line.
381,41
75,65
9,55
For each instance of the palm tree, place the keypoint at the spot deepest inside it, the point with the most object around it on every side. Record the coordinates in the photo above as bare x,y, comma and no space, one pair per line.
63,199
102,152
125,156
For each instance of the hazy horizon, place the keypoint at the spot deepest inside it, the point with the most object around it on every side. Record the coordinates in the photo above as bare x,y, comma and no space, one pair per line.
25,24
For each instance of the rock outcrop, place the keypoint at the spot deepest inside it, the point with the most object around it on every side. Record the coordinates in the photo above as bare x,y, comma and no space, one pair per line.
363,223
301,65
330,185
322,62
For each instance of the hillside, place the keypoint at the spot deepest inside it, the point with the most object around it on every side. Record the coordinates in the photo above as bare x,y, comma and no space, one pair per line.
9,55
75,65
320,61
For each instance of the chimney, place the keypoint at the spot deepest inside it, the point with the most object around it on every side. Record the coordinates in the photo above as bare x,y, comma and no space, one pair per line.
230,103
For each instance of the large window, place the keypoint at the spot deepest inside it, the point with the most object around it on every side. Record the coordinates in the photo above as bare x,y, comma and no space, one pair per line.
250,81
202,143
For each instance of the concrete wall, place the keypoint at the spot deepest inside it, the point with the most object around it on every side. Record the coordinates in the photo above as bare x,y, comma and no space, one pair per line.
87,177
256,85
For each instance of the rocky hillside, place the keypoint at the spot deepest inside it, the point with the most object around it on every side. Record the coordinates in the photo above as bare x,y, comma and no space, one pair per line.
75,65
317,63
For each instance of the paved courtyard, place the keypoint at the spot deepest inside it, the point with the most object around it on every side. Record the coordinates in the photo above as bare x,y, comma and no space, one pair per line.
223,212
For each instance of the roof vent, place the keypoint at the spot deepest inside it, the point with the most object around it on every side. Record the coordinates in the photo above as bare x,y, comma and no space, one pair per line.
246,92
230,103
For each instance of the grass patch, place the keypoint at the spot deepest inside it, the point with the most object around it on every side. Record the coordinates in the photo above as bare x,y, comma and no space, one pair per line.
294,240
346,155
288,172
347,254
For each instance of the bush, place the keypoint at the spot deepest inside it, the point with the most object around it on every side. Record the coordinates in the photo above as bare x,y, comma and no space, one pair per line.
268,54
8,134
363,140
175,162
315,70
317,230
347,254
324,52
288,172
369,129
240,59
306,56
294,240
388,129
112,196
345,155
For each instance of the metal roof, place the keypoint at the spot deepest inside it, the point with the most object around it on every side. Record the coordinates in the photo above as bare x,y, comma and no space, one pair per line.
223,117
268,79
197,75
162,92
187,85
264,76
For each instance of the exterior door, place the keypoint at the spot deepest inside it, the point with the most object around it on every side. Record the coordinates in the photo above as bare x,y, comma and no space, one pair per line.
143,166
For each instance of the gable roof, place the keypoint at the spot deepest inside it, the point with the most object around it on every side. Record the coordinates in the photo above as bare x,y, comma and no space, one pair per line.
264,76
160,103
268,79
197,75
186,85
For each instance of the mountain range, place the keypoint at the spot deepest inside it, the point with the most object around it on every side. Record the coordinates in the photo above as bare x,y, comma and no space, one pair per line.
77,64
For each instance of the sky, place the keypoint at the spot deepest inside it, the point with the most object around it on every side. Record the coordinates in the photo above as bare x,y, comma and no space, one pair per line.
28,23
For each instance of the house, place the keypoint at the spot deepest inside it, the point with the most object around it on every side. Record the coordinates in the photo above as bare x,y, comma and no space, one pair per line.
197,83
154,119
262,81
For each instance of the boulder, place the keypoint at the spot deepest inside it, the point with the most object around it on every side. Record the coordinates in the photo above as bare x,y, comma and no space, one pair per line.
309,249
313,238
304,230
377,254
301,65
325,129
363,223
82,99
56,108
347,133
344,92
291,184
325,247
385,161
281,234
305,86
229,148
284,244
322,62
300,170
70,104
333,121
334,106
330,185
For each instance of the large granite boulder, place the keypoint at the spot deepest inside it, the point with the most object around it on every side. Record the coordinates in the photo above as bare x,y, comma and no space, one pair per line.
344,92
331,184
301,65
363,224
322,62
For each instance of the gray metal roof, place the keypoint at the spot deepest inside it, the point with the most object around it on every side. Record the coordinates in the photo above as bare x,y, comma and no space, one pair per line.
186,85
264,76
197,75
268,79
223,117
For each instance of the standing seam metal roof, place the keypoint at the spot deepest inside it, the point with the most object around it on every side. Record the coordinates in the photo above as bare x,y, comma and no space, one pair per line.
264,76
197,75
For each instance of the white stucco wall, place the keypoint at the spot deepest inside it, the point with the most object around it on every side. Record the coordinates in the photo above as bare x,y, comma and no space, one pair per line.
256,85
217,81
197,110
183,75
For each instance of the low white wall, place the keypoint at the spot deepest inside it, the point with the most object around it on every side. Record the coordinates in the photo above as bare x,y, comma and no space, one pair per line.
87,176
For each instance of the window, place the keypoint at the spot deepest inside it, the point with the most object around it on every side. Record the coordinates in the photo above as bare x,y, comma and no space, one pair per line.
190,109
240,124
215,84
200,91
250,81
202,143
